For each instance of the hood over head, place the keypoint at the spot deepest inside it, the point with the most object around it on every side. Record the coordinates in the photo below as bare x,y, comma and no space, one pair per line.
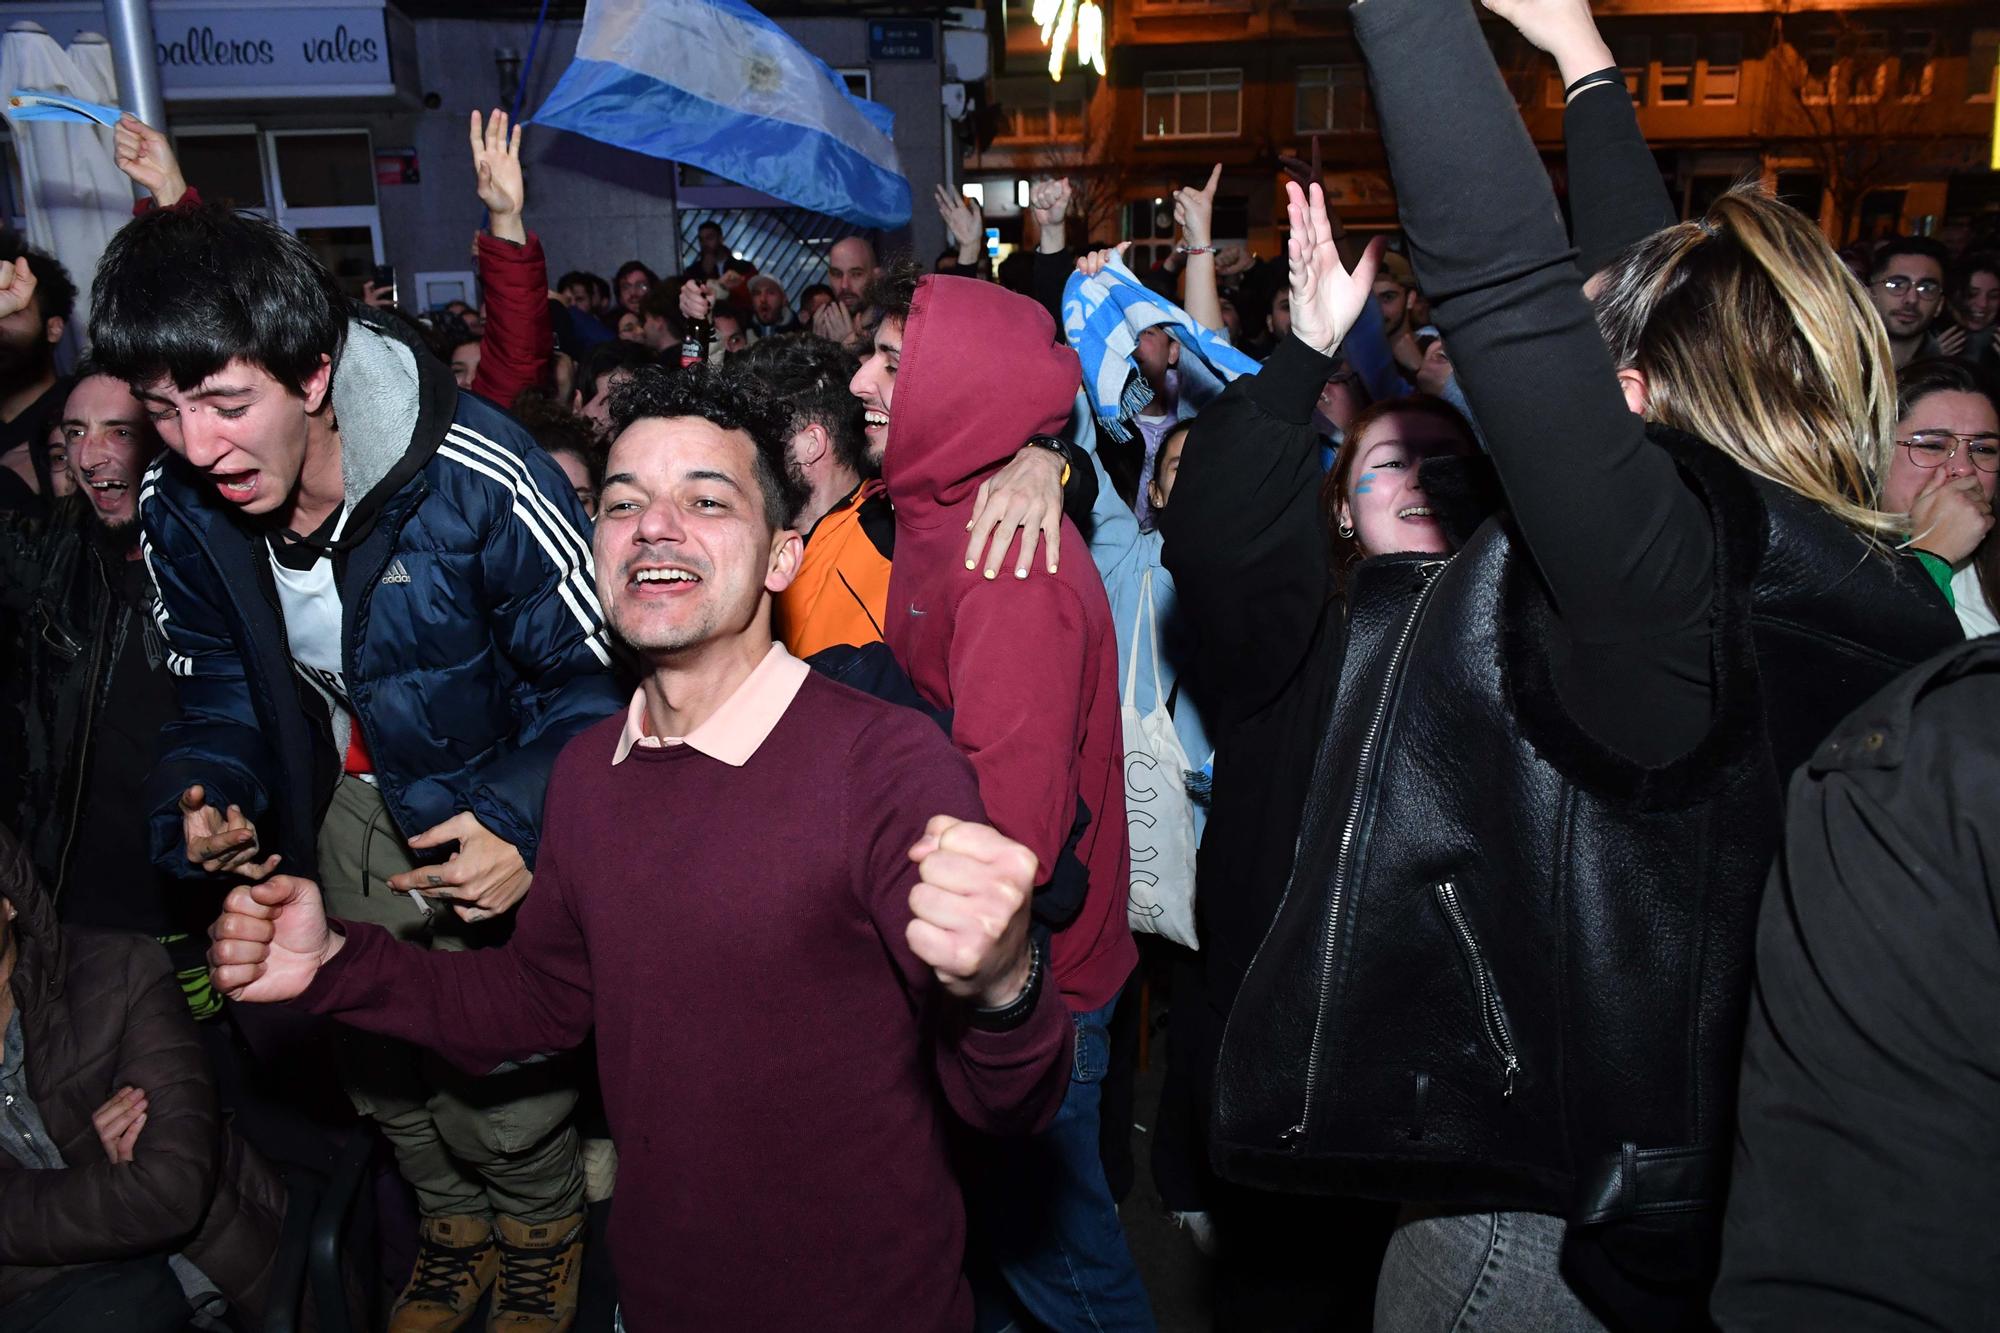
982,369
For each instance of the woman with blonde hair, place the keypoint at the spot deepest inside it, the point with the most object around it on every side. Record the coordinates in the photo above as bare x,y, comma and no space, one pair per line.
1507,984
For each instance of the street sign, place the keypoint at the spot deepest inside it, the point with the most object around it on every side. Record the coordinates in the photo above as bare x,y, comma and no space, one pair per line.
901,39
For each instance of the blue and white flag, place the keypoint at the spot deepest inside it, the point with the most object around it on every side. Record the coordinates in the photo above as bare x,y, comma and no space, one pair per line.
715,84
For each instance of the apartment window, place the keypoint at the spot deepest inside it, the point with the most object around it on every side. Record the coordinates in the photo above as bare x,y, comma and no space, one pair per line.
1818,52
1633,53
1868,67
1036,110
1981,64
317,184
1676,85
1913,64
1722,73
1194,104
1332,99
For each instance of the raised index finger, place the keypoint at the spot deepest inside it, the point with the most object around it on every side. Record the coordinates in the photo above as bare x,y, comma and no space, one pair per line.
1214,177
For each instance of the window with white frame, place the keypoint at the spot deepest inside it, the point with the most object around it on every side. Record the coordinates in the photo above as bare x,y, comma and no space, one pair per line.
1193,104
1982,63
1332,99
1722,71
1035,110
1915,50
1676,77
317,184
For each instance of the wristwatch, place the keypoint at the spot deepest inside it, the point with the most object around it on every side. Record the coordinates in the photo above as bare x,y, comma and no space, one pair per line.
1011,1015
1058,446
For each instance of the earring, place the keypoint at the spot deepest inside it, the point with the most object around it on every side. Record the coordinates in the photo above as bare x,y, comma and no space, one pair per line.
1346,530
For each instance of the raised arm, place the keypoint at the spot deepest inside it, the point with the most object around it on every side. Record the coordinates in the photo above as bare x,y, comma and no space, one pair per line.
1625,547
1245,540
1194,213
515,350
1616,194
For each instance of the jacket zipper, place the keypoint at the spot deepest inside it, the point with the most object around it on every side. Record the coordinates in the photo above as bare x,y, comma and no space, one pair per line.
1295,1136
1491,1019
90,708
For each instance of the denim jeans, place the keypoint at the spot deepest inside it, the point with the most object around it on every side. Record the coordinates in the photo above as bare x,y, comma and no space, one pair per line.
1471,1272
1047,1213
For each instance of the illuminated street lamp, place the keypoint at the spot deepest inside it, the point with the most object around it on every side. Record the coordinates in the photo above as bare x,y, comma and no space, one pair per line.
1058,18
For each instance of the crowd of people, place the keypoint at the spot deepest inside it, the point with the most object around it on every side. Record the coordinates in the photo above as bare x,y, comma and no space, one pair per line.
727,758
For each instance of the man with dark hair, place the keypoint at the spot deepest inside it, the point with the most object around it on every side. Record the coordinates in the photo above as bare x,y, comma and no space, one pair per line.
660,311
711,254
86,688
376,594
602,369
758,891
36,299
732,330
1027,668
770,312
842,587
632,283
1906,285
578,292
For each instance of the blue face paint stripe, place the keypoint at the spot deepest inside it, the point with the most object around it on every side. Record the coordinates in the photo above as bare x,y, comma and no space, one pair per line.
1361,486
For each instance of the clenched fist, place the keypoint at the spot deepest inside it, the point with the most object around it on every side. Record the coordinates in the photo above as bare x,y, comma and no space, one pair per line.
969,911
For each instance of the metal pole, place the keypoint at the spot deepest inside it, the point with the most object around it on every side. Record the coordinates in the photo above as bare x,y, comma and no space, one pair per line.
129,25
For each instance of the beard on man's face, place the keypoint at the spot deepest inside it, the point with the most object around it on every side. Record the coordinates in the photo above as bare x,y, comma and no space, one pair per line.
114,541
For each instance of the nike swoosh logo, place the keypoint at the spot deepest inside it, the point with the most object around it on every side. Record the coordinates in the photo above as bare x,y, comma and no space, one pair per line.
915,612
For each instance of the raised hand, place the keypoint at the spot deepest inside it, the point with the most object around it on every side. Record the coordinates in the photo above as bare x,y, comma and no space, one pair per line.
1048,200
221,841
696,302
270,941
1092,264
485,876
963,222
496,161
1327,297
1233,259
146,155
1563,28
17,286
1194,210
969,910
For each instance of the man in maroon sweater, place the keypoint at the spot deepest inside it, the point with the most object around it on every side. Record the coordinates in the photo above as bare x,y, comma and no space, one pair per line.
763,892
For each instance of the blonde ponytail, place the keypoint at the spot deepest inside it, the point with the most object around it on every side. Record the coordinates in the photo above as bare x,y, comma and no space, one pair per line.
1753,336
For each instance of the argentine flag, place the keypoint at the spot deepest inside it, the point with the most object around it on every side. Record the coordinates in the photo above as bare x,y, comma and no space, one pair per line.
715,84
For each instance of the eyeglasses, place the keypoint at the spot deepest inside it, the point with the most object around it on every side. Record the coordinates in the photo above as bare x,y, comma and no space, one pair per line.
1928,288
1935,448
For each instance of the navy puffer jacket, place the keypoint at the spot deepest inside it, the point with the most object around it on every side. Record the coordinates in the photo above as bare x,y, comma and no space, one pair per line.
473,645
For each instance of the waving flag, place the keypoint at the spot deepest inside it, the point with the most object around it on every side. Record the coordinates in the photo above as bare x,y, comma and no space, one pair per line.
715,84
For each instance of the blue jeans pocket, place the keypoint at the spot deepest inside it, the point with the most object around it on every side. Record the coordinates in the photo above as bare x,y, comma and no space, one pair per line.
1093,1045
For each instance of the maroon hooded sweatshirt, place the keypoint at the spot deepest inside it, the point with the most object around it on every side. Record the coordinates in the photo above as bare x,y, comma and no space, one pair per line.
1027,667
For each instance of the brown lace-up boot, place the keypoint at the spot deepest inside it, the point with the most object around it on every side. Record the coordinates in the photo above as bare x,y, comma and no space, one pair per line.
540,1263
456,1261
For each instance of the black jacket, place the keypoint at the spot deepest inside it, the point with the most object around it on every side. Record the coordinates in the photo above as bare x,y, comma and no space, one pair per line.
67,622
1865,1172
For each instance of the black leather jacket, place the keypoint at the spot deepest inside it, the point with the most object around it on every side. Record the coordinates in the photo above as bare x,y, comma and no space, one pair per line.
1511,968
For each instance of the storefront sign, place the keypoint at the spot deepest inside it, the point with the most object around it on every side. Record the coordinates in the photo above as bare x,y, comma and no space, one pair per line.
275,50
901,39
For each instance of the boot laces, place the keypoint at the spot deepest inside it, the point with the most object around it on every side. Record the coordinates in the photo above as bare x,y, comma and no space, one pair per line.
443,1271
529,1278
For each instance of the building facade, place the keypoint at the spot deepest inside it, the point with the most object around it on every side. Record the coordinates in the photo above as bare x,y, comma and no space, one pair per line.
1872,115
346,123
